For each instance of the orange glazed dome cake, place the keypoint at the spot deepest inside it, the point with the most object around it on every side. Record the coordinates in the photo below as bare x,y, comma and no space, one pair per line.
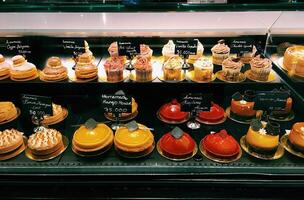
294,59
296,136
22,70
45,141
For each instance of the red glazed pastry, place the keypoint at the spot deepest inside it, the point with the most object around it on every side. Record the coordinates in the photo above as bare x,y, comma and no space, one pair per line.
173,147
215,114
172,111
221,144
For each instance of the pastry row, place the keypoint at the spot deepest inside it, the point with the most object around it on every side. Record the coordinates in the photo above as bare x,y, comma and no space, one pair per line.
86,70
134,140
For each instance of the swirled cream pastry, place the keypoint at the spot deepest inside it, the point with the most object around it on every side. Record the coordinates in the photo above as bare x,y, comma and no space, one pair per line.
114,67
220,52
45,141
143,68
146,51
54,70
10,140
260,68
4,67
22,70
168,50
199,53
232,68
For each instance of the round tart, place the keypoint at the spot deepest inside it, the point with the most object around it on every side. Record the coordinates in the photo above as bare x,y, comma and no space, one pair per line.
8,111
54,70
136,142
126,115
263,137
296,136
215,114
22,70
58,115
86,140
4,67
10,140
294,59
221,144
172,111
45,141
177,148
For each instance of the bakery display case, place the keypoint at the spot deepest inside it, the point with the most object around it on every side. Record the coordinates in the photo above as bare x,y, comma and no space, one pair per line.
148,105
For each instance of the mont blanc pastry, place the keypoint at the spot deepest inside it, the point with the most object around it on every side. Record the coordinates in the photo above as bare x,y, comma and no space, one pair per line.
4,68
45,141
54,70
22,70
10,140
8,111
85,68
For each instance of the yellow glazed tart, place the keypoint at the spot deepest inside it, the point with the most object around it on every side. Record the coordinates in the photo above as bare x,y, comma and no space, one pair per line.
262,138
86,140
137,141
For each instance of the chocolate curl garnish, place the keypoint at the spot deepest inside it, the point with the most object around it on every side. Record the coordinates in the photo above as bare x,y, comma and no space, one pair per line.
256,125
222,41
237,59
237,96
273,128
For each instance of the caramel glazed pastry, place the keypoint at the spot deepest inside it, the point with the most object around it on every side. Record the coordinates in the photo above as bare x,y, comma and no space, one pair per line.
4,68
8,111
45,142
85,69
10,140
22,70
54,70
58,115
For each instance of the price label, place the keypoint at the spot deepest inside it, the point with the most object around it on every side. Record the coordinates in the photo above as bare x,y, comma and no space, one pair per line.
271,100
185,48
197,102
18,46
37,106
73,46
129,49
240,46
115,103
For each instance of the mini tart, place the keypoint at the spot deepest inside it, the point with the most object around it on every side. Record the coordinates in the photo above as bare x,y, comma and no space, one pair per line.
172,111
125,115
85,69
45,142
262,141
215,114
221,144
86,140
8,111
4,67
22,70
296,136
54,70
10,140
138,141
180,148
57,116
